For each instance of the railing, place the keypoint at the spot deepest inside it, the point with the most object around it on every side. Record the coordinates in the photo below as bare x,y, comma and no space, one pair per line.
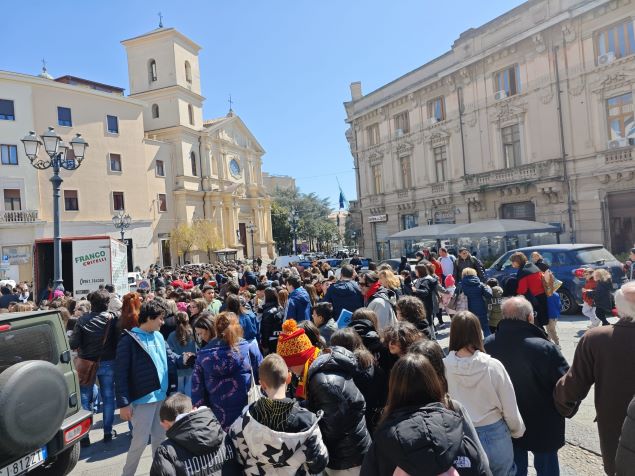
403,193
438,187
18,216
616,156
523,173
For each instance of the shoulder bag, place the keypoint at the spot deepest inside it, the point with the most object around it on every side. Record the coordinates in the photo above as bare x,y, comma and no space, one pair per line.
87,369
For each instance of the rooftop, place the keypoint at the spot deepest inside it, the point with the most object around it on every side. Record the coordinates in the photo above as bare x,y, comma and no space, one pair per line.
75,81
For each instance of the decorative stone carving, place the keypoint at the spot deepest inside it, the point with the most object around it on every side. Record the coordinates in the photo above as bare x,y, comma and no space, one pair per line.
450,83
475,201
404,147
546,95
539,43
437,137
466,76
568,31
506,111
552,191
375,157
576,86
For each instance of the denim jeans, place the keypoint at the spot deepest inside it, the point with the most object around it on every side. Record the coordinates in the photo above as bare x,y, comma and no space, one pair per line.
106,379
185,385
546,464
497,443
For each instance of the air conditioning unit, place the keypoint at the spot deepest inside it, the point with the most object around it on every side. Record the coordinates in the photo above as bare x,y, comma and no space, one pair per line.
502,94
606,58
398,132
434,120
618,143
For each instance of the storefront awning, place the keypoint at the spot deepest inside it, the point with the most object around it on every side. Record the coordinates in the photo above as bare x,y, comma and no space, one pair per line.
423,231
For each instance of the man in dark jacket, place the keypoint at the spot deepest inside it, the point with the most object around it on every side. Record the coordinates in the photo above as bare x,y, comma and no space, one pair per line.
195,442
7,297
345,294
534,365
145,372
625,457
466,260
605,356
95,338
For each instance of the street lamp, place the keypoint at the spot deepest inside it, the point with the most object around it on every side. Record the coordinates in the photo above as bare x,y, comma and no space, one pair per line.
122,222
58,158
293,219
251,228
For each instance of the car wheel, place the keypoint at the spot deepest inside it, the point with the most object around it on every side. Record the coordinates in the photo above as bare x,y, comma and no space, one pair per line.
61,465
33,403
568,305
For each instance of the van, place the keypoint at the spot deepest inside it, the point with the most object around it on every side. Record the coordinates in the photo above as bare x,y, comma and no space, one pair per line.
284,261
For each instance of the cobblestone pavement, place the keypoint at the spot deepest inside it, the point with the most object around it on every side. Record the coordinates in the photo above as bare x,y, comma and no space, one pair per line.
579,457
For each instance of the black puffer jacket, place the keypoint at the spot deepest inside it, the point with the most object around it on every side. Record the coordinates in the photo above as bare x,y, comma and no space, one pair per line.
270,327
373,383
423,441
331,389
195,441
88,336
625,458
372,341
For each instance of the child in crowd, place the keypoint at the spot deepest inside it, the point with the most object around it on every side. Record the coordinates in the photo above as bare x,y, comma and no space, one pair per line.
182,343
602,295
196,443
447,293
323,319
275,435
588,306
553,311
494,305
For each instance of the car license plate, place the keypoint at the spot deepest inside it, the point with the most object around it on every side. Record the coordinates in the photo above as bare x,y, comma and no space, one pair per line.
24,464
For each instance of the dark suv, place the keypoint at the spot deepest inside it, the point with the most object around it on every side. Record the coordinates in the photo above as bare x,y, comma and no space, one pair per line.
41,418
563,260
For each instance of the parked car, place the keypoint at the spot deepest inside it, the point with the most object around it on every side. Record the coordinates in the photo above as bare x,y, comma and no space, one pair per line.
394,263
284,261
133,280
364,267
564,260
41,417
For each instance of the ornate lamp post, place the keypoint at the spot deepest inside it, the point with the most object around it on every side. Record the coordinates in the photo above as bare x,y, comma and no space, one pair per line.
58,158
251,228
122,222
293,220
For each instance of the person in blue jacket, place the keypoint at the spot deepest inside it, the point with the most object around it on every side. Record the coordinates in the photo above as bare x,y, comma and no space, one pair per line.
553,311
476,293
145,372
299,307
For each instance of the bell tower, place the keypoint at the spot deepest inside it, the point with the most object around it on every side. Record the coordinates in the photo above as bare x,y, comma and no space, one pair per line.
163,71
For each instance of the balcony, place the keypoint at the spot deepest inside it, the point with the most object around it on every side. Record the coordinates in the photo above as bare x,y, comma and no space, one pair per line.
619,156
18,216
546,169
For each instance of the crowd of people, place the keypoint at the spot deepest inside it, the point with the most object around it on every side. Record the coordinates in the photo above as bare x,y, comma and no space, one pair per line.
229,369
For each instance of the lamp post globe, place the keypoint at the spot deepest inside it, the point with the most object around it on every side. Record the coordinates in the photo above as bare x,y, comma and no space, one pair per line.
122,222
57,152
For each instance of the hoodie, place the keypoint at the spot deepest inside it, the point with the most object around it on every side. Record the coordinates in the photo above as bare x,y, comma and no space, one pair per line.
295,441
195,445
426,440
483,386
299,307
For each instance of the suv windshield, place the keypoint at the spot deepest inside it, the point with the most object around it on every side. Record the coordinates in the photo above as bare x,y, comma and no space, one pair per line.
594,255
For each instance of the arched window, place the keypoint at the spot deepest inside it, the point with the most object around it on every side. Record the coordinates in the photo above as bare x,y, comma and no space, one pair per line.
193,163
152,70
190,111
155,111
188,72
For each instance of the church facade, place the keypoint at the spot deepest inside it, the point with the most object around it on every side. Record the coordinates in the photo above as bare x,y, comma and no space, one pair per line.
152,155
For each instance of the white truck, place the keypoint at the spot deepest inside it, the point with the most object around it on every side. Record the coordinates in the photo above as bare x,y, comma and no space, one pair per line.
87,263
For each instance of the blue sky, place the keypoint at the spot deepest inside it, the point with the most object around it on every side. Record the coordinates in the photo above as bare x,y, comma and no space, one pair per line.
287,64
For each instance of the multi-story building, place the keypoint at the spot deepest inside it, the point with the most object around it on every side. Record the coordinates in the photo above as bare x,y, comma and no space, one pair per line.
150,155
273,182
529,116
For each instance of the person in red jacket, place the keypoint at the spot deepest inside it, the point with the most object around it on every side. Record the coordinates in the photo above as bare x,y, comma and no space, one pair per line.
530,285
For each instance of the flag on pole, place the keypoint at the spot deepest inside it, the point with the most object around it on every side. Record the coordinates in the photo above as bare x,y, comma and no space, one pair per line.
342,197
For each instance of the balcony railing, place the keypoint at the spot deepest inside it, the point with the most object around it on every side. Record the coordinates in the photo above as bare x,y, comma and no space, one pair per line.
524,173
18,216
617,156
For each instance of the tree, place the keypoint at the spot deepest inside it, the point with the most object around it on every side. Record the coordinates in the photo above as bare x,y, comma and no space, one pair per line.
183,238
206,236
314,225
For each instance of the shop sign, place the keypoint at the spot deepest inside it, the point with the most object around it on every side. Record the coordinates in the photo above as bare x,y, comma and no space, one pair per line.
377,218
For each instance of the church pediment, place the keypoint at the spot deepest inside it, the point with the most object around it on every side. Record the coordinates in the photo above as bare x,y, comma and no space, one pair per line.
233,130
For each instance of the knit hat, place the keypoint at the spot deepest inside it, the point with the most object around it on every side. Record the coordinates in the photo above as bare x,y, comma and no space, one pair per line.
294,345
449,281
181,306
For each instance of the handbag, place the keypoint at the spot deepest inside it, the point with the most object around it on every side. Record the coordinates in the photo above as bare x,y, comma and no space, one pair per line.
87,369
457,303
253,394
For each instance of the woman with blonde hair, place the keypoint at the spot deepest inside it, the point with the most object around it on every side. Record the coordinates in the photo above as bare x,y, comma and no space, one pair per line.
389,280
223,370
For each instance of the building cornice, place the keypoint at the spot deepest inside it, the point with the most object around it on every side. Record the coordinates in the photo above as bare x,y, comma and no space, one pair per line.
161,33
43,82
168,90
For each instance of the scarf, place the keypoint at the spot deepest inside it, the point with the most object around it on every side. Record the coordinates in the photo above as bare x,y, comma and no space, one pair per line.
300,391
372,290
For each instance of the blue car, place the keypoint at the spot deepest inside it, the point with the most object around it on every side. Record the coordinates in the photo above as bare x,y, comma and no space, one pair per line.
564,260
